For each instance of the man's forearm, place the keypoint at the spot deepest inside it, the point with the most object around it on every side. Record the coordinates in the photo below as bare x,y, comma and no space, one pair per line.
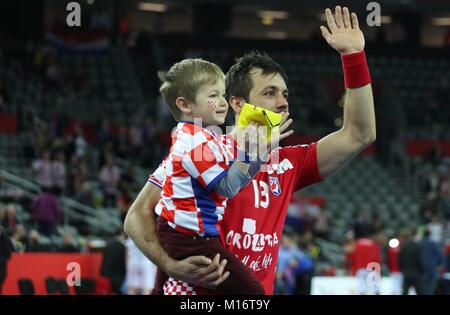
359,114
140,225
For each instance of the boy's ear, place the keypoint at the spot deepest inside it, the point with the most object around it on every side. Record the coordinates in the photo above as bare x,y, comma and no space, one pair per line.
183,105
236,103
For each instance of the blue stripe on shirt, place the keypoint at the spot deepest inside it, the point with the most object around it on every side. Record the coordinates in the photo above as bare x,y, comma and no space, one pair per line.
154,183
207,208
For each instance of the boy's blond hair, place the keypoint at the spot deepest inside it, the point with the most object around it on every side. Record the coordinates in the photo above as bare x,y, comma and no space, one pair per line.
184,79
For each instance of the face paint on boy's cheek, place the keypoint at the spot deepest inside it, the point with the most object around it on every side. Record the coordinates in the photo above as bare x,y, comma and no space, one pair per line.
212,104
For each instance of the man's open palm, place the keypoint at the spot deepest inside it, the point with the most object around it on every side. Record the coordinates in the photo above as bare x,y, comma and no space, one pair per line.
343,33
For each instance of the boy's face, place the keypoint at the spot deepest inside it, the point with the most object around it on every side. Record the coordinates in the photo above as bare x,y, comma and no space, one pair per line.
269,91
210,104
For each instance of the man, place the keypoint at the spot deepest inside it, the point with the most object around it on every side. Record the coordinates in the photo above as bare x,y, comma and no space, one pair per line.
113,264
255,217
411,264
433,259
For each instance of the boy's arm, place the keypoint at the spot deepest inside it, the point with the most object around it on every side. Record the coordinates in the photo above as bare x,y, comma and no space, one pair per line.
140,225
238,176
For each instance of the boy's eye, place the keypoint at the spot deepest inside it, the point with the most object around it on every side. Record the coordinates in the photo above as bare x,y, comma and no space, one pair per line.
213,95
269,93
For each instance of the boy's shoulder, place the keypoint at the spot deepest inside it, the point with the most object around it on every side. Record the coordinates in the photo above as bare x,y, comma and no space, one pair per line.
188,136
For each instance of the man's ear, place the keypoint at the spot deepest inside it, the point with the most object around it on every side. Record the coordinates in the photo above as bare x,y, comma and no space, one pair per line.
183,105
236,103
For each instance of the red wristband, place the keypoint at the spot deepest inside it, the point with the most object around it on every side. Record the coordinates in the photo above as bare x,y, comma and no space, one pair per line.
356,70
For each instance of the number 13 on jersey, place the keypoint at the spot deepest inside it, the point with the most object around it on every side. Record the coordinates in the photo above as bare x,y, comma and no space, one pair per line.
261,190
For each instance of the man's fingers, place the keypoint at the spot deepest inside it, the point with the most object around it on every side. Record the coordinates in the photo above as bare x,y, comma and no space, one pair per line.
347,22
222,278
214,276
339,20
212,267
286,134
355,21
330,21
325,33
199,260
284,117
285,125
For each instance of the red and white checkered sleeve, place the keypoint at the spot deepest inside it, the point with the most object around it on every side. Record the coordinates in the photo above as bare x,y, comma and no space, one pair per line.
158,177
206,163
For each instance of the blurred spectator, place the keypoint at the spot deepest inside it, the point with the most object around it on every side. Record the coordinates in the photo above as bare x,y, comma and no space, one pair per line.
18,238
376,225
47,212
43,139
149,133
366,253
80,143
58,172
69,245
126,185
135,138
294,268
43,170
6,248
35,243
429,208
53,73
395,274
433,258
321,224
86,195
361,225
113,263
104,133
109,181
141,272
9,220
123,149
77,175
411,263
435,228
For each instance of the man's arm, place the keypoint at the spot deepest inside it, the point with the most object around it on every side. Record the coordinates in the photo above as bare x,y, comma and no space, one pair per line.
358,130
140,225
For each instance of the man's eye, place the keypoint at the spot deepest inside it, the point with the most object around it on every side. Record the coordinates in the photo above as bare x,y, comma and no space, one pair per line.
269,93
214,95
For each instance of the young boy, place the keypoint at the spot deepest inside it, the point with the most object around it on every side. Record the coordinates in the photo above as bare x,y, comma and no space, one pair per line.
201,175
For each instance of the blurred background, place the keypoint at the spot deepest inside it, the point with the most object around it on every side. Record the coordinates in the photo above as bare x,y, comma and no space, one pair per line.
82,127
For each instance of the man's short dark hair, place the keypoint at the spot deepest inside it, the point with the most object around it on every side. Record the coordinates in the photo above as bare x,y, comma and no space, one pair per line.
238,81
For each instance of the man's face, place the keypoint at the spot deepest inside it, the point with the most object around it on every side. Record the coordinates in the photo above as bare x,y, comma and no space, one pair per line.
269,91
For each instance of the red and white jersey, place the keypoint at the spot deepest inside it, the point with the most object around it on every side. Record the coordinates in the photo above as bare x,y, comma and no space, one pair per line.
366,251
253,224
195,164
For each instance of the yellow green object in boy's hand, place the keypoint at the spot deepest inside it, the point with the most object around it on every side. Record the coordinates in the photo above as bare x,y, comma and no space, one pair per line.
260,115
